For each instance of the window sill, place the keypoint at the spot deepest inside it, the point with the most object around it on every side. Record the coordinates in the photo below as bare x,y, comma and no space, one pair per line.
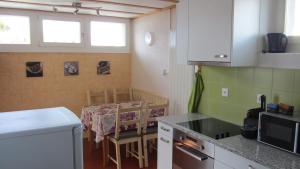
280,60
294,39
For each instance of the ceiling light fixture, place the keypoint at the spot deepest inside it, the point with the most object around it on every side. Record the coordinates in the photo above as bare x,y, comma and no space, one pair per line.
76,11
98,11
55,9
76,5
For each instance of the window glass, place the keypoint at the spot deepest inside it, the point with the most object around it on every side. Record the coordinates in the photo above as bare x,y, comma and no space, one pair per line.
61,31
108,34
14,29
292,23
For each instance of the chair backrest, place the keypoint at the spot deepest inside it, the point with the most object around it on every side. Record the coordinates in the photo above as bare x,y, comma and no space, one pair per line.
96,97
151,112
122,95
137,110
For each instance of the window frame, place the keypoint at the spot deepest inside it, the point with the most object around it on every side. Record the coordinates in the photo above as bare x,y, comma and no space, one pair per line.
30,31
118,49
84,47
292,39
90,31
59,44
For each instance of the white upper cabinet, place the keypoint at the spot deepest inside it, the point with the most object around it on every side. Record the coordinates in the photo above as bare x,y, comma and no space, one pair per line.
218,32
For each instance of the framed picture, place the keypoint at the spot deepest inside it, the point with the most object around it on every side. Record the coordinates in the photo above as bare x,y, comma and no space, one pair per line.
103,68
34,69
71,68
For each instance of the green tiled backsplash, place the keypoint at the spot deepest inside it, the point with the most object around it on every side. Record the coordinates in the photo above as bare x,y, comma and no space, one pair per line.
279,85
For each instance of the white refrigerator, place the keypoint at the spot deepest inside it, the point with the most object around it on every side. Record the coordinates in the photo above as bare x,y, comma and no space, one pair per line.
41,139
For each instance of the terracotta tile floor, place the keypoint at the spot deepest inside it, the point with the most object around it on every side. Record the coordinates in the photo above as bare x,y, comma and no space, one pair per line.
93,160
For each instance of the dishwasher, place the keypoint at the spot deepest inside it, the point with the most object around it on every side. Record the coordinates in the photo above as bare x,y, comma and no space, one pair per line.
191,153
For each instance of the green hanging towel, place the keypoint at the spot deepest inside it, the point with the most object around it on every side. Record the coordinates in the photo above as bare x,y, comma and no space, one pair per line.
195,98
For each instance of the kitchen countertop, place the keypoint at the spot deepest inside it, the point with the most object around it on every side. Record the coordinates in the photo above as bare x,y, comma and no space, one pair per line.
250,149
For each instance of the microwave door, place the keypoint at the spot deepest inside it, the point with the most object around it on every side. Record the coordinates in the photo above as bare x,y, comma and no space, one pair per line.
278,132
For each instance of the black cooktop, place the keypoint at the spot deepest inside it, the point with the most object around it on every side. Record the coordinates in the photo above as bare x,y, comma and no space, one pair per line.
213,128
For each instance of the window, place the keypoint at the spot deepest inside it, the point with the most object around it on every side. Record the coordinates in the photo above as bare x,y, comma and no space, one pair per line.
108,34
292,18
61,31
14,29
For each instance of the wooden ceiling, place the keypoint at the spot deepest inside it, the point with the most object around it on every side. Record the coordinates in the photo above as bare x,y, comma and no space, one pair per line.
115,8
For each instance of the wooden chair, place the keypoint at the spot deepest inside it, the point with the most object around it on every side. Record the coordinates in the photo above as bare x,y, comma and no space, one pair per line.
96,97
127,137
150,133
122,95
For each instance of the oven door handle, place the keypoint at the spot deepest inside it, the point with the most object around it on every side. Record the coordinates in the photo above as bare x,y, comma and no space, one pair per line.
198,156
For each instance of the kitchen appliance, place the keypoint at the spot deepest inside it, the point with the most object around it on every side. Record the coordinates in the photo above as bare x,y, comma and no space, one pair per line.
277,42
41,139
249,130
213,128
280,131
192,153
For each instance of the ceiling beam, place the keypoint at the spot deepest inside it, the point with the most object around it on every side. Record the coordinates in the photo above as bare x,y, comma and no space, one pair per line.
70,6
154,12
174,1
30,10
121,4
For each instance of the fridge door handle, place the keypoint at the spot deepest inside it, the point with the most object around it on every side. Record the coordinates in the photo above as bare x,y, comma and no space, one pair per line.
77,148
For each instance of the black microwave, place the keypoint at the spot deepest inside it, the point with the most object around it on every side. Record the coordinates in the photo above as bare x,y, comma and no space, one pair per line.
279,131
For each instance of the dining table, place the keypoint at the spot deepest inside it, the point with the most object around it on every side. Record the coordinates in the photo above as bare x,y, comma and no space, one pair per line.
101,119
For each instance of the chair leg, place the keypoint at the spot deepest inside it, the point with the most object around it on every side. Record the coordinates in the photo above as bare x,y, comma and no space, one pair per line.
90,140
118,156
132,149
127,150
152,143
107,151
140,152
89,133
145,151
104,151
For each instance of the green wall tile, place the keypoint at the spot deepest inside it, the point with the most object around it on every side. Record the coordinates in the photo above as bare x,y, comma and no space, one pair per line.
283,80
264,91
244,84
262,78
282,97
297,81
245,77
296,102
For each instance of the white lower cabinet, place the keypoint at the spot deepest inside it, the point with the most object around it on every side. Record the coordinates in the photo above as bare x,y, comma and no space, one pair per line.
227,158
164,148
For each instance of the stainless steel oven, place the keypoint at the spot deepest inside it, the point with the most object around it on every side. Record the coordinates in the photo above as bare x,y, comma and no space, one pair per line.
191,153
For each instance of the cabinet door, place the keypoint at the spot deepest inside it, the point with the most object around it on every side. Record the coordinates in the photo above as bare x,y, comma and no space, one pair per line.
219,165
164,152
182,35
210,30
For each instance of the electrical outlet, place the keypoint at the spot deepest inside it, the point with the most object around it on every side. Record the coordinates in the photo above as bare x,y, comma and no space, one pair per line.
258,101
225,92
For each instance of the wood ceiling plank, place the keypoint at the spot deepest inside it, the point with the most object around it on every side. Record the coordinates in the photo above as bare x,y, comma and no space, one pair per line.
174,1
69,6
154,12
121,4
32,10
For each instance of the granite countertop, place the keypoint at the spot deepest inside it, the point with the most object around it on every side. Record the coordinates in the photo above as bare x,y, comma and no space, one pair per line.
250,149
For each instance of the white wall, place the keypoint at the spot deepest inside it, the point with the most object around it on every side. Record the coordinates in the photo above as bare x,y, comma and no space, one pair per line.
181,76
148,62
